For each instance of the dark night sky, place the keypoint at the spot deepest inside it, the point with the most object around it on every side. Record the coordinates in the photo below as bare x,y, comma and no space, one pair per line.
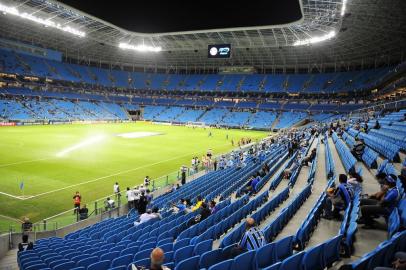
151,16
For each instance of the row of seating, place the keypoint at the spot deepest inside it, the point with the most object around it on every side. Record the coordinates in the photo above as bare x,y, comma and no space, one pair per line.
345,154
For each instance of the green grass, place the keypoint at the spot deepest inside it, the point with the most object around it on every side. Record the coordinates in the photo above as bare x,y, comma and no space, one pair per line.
29,153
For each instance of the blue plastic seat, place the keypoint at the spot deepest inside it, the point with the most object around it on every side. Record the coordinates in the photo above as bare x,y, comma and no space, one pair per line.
332,250
266,255
181,243
122,260
245,261
63,266
189,264
183,253
142,254
314,258
203,247
293,262
38,266
167,247
210,258
143,263
88,261
224,265
274,266
101,265
284,247
110,256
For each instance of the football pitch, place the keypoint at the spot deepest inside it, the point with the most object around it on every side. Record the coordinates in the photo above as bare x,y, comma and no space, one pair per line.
42,166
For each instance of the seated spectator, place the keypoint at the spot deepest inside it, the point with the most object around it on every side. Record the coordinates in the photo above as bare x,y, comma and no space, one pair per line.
83,212
398,264
358,148
145,217
204,213
109,204
380,204
155,212
157,261
198,203
25,245
309,158
212,207
252,239
377,125
181,206
26,225
355,180
338,199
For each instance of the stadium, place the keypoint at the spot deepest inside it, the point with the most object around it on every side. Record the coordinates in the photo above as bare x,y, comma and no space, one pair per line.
195,135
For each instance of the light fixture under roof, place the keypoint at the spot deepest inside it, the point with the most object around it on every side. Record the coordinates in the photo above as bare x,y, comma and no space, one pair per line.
46,22
139,48
313,40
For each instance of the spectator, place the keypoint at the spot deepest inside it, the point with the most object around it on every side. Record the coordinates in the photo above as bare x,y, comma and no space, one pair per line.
398,264
76,202
155,212
377,125
142,204
204,213
252,239
147,181
355,180
26,225
109,204
310,158
157,260
116,190
358,148
212,207
25,245
215,165
83,212
198,203
373,206
149,196
183,171
130,198
181,206
136,196
147,216
339,198
254,183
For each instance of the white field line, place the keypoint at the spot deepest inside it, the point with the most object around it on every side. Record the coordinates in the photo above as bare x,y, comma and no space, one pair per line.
101,178
10,218
23,162
12,196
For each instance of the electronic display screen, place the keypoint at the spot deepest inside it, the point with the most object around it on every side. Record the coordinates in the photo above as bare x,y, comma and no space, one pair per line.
219,51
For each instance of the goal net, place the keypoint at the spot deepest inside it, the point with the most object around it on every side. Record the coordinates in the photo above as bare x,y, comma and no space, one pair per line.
195,124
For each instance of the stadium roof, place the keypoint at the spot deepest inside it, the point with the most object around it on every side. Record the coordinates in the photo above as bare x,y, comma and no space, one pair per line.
357,32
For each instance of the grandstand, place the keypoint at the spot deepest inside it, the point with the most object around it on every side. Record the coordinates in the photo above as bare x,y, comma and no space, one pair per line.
275,113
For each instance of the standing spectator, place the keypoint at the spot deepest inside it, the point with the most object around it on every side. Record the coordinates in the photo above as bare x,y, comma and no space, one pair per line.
148,195
25,245
212,207
136,196
215,165
142,204
76,202
116,190
83,212
147,181
26,225
130,198
183,171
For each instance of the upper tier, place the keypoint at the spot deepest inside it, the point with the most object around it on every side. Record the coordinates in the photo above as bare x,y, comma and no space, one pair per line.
11,62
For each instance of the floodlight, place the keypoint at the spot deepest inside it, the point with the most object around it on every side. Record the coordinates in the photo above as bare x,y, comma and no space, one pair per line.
46,22
139,48
312,40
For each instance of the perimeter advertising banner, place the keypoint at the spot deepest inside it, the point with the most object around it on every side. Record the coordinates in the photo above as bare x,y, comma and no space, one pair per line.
7,124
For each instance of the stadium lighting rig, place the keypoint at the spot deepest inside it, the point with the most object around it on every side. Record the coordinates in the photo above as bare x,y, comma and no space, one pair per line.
46,22
139,48
313,40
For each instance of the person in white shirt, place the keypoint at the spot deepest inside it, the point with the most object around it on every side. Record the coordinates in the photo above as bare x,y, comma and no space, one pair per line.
147,181
136,195
116,190
145,217
130,198
109,204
